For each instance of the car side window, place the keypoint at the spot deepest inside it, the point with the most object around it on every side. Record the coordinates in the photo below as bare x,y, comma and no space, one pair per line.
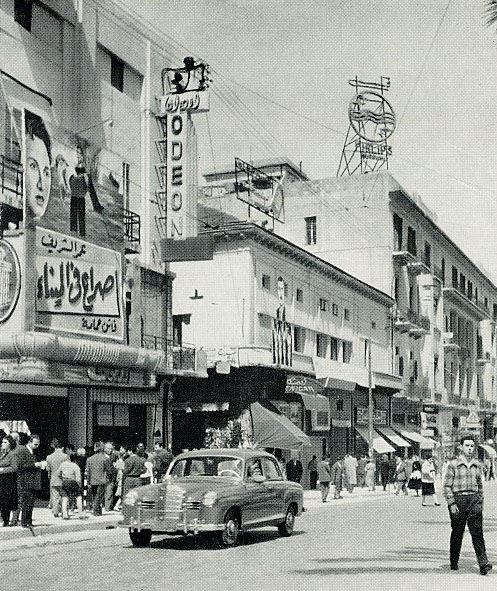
254,467
271,469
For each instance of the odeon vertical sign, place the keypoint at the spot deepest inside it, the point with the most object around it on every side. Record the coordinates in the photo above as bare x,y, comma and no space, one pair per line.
184,93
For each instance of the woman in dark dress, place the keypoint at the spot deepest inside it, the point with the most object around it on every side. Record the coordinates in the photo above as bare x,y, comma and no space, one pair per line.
8,481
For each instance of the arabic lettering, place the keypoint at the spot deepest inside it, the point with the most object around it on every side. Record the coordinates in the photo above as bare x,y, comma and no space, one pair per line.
79,286
99,324
52,244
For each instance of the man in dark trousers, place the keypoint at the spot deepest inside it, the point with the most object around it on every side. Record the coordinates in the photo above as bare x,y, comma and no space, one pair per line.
294,470
312,466
28,478
463,489
96,475
162,458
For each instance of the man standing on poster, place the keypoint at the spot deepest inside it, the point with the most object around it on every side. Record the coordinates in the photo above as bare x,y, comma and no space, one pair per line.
80,184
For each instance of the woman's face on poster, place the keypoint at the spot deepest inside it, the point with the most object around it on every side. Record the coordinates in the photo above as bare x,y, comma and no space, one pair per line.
38,175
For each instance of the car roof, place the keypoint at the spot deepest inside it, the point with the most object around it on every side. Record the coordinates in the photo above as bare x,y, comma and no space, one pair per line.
229,451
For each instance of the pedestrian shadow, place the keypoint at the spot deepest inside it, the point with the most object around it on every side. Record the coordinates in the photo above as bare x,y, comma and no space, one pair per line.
209,542
489,523
433,560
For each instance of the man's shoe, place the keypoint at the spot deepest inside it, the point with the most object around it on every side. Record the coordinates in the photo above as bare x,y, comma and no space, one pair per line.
454,567
486,568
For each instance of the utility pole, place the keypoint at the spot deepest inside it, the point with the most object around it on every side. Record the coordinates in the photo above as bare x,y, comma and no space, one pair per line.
370,402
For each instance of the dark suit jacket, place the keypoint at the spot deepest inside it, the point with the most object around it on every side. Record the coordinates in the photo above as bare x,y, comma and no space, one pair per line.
96,469
28,475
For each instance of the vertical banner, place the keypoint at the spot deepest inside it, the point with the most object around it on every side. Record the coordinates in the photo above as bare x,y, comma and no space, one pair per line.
176,181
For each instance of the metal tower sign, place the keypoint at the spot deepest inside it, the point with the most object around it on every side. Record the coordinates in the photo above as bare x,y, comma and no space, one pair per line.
371,123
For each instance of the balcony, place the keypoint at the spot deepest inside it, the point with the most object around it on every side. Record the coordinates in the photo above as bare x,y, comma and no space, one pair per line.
471,306
418,267
420,325
450,343
132,231
182,356
438,273
11,182
403,257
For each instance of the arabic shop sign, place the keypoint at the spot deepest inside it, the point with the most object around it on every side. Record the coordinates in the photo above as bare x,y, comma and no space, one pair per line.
196,102
78,286
10,280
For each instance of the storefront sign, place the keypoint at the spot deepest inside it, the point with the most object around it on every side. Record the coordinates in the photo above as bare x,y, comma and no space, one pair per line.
10,280
302,385
379,416
78,287
176,176
193,102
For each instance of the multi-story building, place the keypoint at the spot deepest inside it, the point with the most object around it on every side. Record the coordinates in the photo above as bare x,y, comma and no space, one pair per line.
85,300
272,317
446,306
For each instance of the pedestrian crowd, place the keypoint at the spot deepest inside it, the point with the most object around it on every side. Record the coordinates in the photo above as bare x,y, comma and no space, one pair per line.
80,482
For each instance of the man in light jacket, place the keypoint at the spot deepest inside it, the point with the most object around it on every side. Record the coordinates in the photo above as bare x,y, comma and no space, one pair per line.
54,460
324,477
96,475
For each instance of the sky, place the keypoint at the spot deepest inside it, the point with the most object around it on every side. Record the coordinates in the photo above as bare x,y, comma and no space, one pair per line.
280,72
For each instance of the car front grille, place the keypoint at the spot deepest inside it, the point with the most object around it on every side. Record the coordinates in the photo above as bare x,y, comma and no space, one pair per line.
192,505
147,504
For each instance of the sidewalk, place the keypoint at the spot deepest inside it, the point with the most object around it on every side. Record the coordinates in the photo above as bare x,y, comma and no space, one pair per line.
45,523
312,498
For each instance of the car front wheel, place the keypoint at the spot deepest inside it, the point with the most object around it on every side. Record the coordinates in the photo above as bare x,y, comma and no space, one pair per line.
286,528
228,536
140,538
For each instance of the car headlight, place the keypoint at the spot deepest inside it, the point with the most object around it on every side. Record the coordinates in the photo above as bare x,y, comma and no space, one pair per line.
131,498
209,498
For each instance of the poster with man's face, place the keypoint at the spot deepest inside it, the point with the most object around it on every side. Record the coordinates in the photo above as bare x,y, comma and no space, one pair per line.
69,185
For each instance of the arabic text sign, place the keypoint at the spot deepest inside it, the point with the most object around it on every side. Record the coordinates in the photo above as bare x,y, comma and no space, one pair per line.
78,286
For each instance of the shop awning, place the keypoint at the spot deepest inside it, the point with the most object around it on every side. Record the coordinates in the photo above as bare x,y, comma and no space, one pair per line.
424,442
319,406
489,449
275,430
339,376
393,437
125,396
379,444
20,426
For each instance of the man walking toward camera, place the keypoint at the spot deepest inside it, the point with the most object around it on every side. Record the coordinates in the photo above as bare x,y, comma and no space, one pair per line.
463,489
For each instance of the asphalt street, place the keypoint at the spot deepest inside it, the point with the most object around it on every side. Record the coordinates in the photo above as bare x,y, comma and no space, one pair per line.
382,542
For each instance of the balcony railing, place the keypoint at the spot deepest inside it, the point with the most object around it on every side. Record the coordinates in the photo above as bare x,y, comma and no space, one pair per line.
458,294
182,355
132,226
11,181
420,324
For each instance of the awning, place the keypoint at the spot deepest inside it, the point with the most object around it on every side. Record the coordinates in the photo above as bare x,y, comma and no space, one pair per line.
20,426
393,437
340,376
319,406
379,444
489,449
424,442
125,396
274,430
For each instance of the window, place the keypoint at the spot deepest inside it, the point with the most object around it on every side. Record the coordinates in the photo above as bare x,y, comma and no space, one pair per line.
266,282
401,366
470,290
455,275
486,302
427,257
112,415
346,314
347,351
411,240
339,404
323,304
462,283
334,349
397,232
414,372
298,339
271,469
23,13
334,309
117,73
300,295
310,230
443,271
321,344
125,184
396,288
12,128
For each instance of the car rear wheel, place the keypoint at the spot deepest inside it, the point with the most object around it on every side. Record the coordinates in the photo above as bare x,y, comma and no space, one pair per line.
140,538
286,528
229,535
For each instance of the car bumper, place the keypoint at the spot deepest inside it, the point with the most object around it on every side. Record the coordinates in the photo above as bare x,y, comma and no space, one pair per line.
184,522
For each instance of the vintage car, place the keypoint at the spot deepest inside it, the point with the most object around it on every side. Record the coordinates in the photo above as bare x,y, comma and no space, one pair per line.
223,491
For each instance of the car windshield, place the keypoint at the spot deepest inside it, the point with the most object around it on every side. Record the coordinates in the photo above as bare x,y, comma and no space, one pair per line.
222,466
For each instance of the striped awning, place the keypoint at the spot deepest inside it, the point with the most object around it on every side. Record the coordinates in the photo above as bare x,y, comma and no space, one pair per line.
393,437
114,396
379,444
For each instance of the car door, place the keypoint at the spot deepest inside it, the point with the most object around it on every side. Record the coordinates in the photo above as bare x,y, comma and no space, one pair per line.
257,503
276,486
